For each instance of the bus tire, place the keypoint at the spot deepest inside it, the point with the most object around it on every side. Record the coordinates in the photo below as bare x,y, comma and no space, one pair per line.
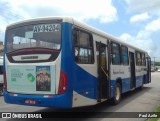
117,94
1,90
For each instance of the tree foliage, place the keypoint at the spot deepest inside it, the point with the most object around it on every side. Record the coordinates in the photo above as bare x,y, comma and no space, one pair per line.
157,63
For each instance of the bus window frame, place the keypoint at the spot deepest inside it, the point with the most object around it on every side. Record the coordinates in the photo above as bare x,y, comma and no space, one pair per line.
138,62
120,62
83,47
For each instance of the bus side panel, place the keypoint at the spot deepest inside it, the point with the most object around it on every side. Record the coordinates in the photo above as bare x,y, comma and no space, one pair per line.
113,84
85,87
139,81
141,76
119,72
126,85
81,83
67,58
146,79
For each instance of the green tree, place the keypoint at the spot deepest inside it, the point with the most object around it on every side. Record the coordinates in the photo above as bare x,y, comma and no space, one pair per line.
157,63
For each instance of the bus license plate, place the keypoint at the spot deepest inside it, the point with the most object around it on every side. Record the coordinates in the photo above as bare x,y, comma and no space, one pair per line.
28,101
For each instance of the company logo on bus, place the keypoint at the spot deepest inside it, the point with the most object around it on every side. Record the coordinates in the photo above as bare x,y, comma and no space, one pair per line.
29,57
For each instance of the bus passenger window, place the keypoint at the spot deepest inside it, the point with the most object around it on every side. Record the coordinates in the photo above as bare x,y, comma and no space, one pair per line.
143,60
138,59
116,60
124,55
83,47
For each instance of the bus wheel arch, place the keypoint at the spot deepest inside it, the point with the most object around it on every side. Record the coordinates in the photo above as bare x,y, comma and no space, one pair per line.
117,92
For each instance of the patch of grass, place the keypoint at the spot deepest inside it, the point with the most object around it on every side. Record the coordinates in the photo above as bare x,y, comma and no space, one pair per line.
158,109
154,119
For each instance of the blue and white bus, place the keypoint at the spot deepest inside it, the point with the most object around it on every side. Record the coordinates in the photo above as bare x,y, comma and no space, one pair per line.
60,62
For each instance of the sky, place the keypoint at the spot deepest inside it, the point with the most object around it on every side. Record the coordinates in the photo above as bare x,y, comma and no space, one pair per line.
136,22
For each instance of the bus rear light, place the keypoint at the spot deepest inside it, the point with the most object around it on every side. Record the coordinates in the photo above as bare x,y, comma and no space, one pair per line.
62,83
5,82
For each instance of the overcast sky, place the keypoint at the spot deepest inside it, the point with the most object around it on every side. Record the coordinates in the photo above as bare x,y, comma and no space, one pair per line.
134,21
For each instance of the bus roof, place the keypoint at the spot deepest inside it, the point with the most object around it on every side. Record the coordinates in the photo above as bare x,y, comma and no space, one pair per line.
81,25
64,19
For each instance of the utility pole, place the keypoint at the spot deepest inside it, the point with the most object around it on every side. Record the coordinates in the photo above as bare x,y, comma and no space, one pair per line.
154,64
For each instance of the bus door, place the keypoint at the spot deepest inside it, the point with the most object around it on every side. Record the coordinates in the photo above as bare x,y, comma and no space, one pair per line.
148,70
132,70
103,76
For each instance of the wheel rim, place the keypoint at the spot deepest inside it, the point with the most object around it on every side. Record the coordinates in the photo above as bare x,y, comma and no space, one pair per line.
117,93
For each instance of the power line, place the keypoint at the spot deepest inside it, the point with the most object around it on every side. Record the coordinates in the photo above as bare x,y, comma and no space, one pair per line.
155,57
7,14
10,15
8,9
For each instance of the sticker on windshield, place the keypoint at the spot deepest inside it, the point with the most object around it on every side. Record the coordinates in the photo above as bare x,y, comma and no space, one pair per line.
29,34
45,28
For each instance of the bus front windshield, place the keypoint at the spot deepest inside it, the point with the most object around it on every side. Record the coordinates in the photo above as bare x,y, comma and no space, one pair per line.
34,36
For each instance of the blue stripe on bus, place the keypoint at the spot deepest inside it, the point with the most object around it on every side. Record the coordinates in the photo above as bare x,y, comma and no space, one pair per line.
84,83
139,81
126,84
60,101
79,80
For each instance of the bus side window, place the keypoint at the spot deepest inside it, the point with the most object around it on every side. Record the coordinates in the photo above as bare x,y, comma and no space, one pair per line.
83,47
124,54
138,59
143,60
115,51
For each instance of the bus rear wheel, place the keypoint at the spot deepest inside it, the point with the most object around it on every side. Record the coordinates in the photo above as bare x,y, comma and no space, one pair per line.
1,90
117,95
